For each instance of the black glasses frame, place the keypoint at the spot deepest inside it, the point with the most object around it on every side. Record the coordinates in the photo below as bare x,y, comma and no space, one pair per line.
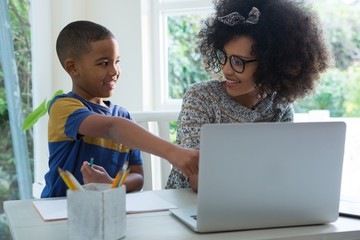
232,60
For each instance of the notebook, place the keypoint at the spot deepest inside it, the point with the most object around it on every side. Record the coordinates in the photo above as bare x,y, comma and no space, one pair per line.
267,175
349,207
53,209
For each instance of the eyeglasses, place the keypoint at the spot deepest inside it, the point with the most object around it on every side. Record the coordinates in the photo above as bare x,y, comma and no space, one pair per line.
236,63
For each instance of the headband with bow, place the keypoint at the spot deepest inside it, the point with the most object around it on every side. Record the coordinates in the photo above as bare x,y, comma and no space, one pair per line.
236,18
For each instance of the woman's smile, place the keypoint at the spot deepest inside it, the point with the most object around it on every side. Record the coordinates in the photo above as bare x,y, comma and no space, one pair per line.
232,83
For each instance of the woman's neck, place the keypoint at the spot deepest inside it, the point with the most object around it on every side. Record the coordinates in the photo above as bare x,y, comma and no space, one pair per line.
248,100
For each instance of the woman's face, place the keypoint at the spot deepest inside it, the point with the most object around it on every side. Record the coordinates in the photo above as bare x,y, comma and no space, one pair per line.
240,85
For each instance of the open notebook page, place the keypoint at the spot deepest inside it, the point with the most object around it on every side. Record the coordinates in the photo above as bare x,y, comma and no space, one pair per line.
147,201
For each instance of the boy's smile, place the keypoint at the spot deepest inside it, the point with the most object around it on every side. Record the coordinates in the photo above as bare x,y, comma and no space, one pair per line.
110,84
96,72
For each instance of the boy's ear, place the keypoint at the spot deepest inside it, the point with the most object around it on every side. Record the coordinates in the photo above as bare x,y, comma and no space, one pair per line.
70,67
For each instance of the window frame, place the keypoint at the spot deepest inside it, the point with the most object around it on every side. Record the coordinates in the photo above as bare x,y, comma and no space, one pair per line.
162,9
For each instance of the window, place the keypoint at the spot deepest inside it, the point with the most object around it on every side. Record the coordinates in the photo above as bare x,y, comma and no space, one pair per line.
339,89
18,16
183,58
179,65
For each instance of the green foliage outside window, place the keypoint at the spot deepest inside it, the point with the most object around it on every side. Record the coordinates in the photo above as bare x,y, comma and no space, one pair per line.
329,94
339,88
352,91
185,67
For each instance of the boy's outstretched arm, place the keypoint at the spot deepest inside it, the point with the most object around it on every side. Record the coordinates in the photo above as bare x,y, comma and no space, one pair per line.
124,131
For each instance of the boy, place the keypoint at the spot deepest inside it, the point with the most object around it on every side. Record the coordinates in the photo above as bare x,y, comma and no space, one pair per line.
82,125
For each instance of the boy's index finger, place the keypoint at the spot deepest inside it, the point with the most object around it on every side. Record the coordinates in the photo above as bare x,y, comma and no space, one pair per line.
86,166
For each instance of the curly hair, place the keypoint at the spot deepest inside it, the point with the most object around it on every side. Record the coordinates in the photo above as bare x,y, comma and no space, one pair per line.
288,44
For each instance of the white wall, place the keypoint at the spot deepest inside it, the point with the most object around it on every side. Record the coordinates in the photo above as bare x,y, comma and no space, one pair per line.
128,20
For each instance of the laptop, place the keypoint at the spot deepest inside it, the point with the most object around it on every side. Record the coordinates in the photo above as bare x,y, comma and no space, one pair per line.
267,175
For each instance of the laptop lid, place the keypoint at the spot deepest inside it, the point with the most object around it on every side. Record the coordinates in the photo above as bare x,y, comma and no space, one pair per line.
267,175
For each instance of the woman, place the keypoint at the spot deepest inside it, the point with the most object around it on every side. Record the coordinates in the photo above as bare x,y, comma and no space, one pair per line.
266,54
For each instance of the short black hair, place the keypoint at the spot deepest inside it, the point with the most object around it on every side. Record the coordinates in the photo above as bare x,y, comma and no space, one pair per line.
74,38
288,44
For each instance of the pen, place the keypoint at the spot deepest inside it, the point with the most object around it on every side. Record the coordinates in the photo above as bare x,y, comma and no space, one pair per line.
91,162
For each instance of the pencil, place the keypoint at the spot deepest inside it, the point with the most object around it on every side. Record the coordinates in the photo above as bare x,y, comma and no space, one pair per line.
117,179
119,176
74,181
123,178
67,180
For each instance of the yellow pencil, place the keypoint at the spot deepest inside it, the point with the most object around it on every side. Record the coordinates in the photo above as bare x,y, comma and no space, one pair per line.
67,180
119,175
74,181
123,178
117,179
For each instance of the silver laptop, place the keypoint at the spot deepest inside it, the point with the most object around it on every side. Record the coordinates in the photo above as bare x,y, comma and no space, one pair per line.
266,175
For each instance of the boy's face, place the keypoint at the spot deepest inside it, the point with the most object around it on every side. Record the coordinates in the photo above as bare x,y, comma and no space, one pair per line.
95,73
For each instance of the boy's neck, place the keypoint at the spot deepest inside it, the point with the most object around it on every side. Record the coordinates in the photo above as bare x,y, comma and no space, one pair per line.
99,101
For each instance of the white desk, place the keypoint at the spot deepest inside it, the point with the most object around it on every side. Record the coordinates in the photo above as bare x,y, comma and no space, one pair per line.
26,224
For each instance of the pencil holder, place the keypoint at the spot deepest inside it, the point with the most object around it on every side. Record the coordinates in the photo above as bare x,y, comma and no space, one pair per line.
97,213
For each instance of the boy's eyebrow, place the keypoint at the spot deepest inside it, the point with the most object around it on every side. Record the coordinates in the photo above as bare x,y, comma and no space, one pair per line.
102,58
106,58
